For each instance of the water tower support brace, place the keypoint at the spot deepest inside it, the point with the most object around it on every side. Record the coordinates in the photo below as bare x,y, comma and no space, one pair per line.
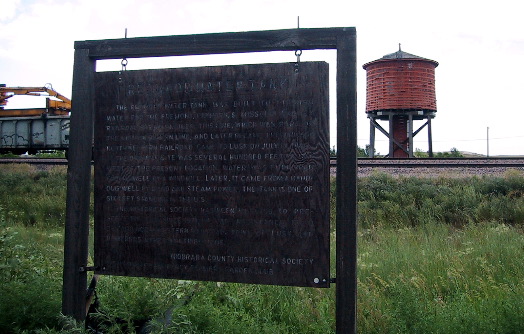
373,124
392,140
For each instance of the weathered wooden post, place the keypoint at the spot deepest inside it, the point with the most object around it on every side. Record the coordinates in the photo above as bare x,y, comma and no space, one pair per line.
346,185
78,187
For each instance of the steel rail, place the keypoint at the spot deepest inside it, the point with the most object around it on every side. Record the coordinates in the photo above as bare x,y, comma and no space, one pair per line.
35,161
507,162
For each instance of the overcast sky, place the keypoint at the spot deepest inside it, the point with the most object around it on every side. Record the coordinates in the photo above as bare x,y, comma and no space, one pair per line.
478,44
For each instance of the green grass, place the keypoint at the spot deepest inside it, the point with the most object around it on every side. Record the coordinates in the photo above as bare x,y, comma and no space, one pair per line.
434,256
437,279
400,202
52,154
30,276
32,197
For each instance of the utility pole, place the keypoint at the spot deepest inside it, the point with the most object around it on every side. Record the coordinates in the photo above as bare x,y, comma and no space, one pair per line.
487,142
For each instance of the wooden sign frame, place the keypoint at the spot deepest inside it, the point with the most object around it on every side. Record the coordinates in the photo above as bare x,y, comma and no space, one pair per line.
343,40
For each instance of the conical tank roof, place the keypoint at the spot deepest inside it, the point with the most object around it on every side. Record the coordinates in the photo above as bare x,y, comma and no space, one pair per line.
400,55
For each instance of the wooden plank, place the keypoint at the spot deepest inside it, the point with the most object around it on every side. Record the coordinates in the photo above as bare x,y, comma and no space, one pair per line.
346,289
220,43
78,186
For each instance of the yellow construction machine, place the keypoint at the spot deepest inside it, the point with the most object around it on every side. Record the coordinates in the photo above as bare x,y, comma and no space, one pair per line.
59,106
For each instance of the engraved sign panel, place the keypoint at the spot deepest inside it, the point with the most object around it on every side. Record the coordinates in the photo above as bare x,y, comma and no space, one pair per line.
214,173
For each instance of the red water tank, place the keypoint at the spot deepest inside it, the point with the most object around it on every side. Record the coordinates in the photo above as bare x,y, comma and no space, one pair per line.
400,81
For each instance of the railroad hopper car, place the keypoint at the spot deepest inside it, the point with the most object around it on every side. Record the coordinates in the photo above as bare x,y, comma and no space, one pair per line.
19,135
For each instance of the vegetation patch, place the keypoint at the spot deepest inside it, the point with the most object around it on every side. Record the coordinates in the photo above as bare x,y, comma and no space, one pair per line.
435,255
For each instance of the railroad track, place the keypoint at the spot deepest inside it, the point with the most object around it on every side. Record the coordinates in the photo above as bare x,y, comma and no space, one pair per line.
35,161
510,162
362,162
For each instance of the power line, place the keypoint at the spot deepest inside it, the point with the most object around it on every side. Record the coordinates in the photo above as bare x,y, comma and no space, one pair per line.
454,140
481,139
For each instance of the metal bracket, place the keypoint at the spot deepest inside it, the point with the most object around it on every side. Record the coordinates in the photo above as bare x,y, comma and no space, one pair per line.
87,268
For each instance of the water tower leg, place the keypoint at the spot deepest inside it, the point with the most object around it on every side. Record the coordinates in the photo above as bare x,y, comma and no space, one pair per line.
430,139
371,152
410,135
391,131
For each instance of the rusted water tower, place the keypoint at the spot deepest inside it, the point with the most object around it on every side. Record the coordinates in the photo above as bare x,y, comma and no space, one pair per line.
400,89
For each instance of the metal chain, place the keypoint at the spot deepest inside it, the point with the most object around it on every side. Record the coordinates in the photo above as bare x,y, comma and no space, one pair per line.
298,53
124,64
